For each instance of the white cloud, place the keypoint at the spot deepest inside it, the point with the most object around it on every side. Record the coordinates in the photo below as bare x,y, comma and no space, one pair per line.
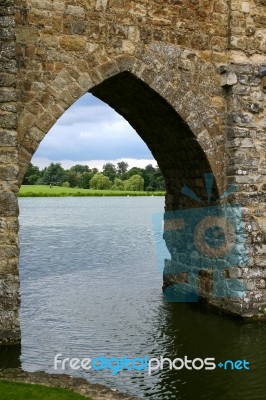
91,130
115,129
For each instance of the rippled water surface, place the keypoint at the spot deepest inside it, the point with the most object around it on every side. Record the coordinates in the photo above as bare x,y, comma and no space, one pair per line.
90,286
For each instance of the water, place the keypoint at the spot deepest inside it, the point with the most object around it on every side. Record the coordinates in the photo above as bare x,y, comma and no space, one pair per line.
90,286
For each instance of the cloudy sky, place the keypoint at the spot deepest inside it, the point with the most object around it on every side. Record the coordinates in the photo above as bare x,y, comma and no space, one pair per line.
90,132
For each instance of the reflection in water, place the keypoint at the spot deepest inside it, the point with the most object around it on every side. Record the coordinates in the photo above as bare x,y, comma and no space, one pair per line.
10,356
90,286
192,330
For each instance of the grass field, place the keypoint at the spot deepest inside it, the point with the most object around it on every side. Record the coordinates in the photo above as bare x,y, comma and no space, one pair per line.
24,391
58,191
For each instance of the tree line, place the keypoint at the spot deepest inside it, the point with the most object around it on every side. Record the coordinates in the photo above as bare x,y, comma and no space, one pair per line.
116,177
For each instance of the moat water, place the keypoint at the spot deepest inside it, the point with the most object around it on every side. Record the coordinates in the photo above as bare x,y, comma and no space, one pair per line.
90,286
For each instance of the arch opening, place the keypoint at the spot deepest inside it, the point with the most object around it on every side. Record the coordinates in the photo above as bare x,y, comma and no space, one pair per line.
172,143
179,155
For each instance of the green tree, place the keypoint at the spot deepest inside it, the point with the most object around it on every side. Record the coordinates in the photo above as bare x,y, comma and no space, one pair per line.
122,167
153,179
85,180
158,180
118,184
81,175
150,169
54,174
100,182
134,171
32,170
80,169
109,170
32,179
73,178
135,183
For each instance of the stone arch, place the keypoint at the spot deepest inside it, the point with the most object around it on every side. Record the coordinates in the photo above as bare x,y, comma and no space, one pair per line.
184,143
55,51
182,154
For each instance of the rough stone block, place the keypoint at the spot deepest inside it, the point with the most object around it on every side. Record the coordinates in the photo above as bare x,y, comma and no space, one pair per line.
72,43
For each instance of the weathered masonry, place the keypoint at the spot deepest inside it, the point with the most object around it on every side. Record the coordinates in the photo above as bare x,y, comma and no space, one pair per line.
189,76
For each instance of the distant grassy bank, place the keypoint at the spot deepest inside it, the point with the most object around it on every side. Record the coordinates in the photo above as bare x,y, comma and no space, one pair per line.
59,191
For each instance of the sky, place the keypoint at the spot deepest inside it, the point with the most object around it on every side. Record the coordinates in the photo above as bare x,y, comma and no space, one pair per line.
92,133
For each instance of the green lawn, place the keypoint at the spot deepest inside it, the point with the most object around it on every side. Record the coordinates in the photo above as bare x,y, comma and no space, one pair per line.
24,391
58,191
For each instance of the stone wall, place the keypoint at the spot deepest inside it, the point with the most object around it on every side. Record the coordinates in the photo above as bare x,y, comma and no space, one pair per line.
9,283
246,146
65,49
198,66
247,28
